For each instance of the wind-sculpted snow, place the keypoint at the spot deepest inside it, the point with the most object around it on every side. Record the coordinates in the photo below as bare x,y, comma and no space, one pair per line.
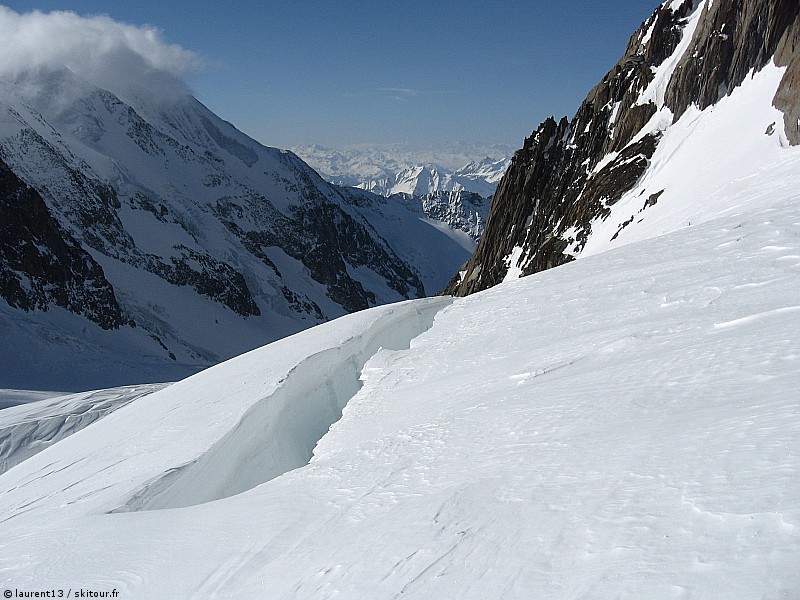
626,425
30,428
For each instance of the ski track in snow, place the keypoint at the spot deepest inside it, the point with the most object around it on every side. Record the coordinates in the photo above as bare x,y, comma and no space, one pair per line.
627,425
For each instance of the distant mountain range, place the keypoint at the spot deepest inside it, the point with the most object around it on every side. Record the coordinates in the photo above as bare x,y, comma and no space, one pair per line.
390,170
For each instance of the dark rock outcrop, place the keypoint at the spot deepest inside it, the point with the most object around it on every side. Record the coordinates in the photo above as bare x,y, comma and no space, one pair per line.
733,39
41,264
557,185
787,99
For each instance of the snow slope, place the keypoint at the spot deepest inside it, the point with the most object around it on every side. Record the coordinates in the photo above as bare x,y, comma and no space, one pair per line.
708,163
623,426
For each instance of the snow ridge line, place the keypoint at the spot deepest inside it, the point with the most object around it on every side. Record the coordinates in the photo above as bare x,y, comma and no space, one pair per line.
279,432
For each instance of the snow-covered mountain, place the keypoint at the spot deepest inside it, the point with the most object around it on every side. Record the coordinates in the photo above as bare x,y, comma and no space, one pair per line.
458,196
477,177
623,426
146,234
699,114
387,171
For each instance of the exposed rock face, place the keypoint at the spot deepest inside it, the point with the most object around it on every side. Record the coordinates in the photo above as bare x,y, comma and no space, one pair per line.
787,100
733,39
41,264
569,173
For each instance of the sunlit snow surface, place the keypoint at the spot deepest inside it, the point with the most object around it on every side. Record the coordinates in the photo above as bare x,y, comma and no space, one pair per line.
625,426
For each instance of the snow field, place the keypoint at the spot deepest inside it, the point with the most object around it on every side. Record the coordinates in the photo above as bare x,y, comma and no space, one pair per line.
625,426
630,428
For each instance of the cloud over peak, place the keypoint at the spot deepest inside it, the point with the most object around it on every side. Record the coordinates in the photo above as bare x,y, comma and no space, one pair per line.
109,54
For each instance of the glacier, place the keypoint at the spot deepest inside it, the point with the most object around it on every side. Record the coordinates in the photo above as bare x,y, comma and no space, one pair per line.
624,425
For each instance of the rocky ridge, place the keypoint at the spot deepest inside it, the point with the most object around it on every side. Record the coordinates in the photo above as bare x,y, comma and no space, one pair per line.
570,173
461,210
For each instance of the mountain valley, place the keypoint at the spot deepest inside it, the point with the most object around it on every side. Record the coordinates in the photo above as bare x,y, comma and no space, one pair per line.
602,404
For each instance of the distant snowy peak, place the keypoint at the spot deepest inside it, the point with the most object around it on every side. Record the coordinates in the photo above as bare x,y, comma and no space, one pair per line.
387,172
704,102
489,169
414,180
459,198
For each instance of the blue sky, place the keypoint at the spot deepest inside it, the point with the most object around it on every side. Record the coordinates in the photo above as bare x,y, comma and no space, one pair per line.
359,72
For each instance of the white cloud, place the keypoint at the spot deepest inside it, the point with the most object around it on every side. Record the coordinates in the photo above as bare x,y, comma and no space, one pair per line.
400,91
116,56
